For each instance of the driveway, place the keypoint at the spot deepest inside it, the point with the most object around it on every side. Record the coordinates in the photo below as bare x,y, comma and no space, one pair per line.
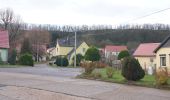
43,69
27,86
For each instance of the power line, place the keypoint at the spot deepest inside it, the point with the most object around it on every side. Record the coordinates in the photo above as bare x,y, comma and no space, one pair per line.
148,15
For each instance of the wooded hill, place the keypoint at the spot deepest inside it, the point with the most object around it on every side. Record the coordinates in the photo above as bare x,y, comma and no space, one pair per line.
130,37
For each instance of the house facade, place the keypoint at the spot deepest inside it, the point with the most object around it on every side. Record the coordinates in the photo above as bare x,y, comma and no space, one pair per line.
4,45
67,50
145,55
163,54
113,50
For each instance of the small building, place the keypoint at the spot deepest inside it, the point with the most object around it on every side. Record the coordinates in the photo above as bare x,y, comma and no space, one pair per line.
163,54
145,54
113,50
4,45
67,50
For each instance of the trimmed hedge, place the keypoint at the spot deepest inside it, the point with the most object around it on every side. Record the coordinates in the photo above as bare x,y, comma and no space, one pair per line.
61,61
26,59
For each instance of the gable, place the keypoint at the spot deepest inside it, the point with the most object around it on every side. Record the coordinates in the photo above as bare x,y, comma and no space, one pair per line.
167,44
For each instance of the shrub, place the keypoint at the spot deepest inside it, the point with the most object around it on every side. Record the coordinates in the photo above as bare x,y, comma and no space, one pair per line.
62,61
161,76
12,59
109,72
79,58
92,54
123,54
88,66
26,59
99,64
1,62
131,69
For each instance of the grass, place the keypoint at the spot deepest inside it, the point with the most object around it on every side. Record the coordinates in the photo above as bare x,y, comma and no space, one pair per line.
148,80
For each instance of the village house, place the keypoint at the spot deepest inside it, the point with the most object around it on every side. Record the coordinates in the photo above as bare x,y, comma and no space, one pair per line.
145,55
163,54
66,49
113,50
4,45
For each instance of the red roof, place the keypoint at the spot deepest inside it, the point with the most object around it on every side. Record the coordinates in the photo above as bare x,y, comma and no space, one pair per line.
146,49
4,39
113,48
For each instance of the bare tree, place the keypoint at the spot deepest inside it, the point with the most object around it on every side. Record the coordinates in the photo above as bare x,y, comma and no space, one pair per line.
10,22
6,16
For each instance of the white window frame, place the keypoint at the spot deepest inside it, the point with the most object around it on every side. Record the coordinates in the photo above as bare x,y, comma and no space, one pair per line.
162,63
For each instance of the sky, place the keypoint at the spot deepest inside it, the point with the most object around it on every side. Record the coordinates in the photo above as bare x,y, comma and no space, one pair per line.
89,12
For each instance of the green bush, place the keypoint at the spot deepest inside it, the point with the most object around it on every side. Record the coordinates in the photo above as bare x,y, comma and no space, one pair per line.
26,59
1,62
92,54
12,59
61,61
109,72
131,69
123,54
79,58
161,76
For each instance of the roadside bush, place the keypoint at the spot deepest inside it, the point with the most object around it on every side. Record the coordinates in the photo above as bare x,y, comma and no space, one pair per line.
161,76
123,54
88,66
12,59
131,69
92,54
109,72
1,62
26,59
61,61
99,64
79,58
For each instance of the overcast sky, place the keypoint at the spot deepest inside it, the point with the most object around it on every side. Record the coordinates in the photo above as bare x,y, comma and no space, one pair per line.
78,12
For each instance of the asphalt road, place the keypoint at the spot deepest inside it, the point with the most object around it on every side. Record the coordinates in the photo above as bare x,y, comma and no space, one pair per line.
43,69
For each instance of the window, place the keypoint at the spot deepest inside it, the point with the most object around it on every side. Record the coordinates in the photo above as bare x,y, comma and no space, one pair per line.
84,49
163,60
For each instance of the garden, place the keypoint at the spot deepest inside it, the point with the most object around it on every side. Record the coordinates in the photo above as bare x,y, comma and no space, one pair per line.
131,73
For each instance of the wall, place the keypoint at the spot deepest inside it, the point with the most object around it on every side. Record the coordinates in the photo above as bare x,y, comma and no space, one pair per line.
161,51
79,50
4,54
145,62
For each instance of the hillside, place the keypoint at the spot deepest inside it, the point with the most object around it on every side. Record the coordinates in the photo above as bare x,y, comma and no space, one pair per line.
129,37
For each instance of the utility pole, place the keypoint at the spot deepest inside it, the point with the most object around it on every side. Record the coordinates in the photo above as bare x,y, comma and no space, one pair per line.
37,51
75,49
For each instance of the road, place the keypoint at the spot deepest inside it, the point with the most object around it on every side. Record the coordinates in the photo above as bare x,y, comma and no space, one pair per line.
22,84
43,69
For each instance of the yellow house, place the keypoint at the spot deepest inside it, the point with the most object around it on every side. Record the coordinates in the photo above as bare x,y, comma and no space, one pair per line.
163,54
67,50
145,55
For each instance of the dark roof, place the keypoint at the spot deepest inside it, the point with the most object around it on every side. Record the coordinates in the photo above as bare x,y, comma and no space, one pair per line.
163,42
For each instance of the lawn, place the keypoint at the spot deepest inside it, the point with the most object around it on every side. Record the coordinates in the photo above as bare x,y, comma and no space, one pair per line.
148,80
